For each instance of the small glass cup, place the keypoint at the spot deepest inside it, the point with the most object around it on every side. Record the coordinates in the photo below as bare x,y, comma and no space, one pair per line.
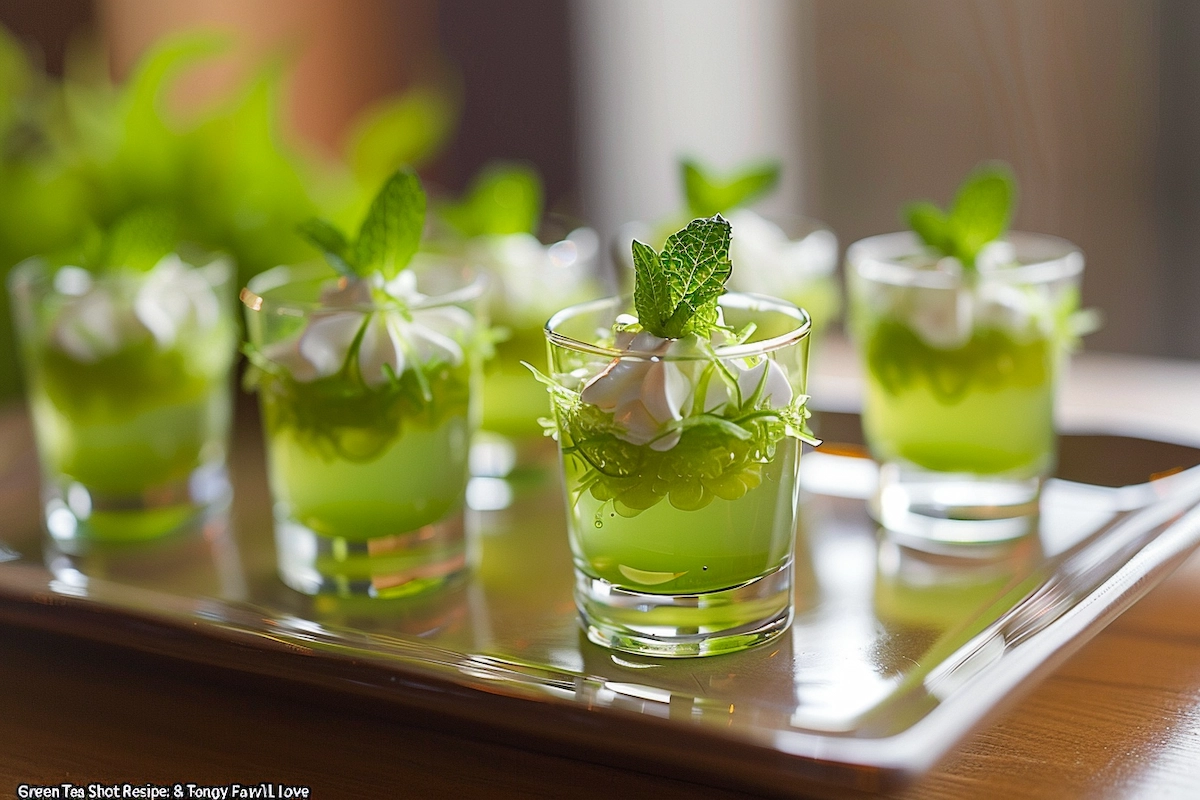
367,471
530,278
128,378
961,370
791,257
686,549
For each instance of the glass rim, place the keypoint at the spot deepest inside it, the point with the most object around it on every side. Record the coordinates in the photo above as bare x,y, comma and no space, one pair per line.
876,258
254,295
750,302
39,269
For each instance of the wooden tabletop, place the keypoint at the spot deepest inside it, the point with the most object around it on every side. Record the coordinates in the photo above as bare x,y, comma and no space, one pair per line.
1121,718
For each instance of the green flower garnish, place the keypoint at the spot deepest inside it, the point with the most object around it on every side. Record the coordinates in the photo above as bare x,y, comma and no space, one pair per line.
388,237
980,215
675,292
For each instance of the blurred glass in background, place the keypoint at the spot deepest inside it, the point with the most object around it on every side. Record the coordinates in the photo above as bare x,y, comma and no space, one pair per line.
299,106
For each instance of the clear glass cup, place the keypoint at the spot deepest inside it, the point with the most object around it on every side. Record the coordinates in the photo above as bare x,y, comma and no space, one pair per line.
961,370
530,278
128,380
683,550
368,476
791,257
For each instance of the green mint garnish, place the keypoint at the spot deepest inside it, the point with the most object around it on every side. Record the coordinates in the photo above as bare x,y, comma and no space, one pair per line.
708,194
675,292
388,237
503,199
980,214
137,241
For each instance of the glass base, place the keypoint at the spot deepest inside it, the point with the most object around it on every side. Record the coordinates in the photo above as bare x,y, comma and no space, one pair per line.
202,560
397,565
77,516
682,626
948,508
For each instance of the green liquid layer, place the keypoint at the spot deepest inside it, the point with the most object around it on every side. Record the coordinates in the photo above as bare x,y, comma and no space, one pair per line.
135,420
984,408
357,463
417,480
666,550
512,400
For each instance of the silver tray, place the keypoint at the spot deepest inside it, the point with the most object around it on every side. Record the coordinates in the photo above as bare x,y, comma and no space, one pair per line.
893,657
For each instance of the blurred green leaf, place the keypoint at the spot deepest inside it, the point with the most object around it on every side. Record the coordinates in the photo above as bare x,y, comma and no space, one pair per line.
332,243
980,214
139,239
929,223
406,130
504,198
707,194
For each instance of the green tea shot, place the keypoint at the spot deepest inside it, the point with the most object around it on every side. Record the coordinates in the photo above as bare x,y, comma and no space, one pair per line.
366,369
680,414
537,263
963,328
127,344
791,257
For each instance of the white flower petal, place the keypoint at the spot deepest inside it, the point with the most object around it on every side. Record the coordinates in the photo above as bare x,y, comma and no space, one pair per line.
378,349
326,340
617,384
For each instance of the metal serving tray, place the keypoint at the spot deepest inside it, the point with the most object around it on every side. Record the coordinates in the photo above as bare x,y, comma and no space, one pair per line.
893,657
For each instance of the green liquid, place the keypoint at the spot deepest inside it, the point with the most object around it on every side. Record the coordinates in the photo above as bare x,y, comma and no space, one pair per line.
418,479
512,400
136,420
984,408
667,550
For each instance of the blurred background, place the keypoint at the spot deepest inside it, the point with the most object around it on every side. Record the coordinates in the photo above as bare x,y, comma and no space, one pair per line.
247,117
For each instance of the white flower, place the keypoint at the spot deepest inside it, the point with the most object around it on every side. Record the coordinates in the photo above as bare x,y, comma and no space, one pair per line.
766,261
390,342
535,279
647,392
98,320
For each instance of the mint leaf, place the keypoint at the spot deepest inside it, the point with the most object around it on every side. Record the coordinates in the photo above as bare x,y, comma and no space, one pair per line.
139,239
331,242
390,234
503,199
708,195
980,214
675,292
928,222
982,210
651,290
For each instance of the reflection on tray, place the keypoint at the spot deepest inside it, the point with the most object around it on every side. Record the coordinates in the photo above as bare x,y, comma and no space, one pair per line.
883,636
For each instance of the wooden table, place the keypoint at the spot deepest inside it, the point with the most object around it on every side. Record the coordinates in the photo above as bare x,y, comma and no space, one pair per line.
1121,718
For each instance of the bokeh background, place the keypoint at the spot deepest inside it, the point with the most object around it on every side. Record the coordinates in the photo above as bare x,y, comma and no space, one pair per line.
249,116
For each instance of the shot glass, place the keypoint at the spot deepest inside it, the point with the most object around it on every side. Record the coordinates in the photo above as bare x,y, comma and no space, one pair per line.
128,384
366,451
682,542
961,369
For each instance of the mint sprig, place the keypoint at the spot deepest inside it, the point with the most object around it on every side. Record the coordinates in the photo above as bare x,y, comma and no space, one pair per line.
389,235
708,194
137,240
504,198
980,214
675,292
